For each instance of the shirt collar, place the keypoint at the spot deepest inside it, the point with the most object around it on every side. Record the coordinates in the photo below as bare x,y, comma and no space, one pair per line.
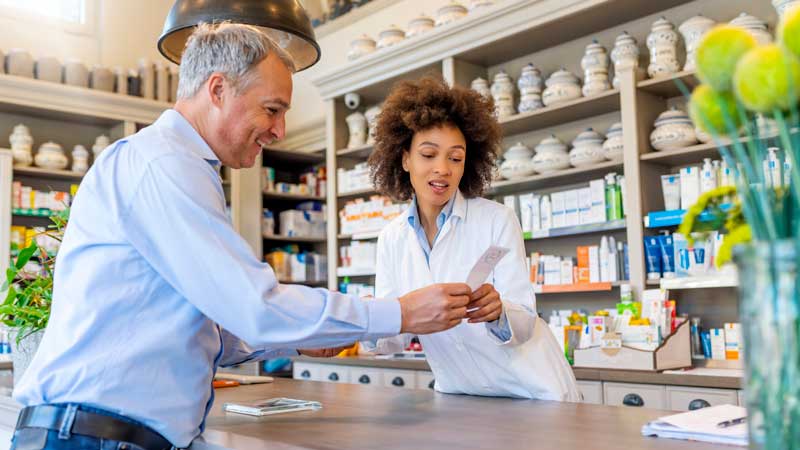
452,207
175,122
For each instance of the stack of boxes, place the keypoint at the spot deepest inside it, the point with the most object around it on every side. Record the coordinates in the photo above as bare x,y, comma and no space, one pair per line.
607,262
355,179
358,255
311,183
291,265
26,197
367,216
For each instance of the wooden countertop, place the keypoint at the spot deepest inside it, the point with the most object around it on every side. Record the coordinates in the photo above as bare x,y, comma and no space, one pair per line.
687,378
366,417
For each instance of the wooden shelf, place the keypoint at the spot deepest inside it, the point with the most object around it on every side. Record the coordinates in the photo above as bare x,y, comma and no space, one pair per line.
567,176
274,156
356,193
297,197
577,109
362,152
727,280
355,272
579,229
687,155
667,87
45,173
360,236
577,287
309,240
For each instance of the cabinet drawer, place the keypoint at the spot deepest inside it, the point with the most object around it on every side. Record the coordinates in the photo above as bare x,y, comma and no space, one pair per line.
592,392
306,371
366,376
406,379
635,395
683,398
335,374
425,380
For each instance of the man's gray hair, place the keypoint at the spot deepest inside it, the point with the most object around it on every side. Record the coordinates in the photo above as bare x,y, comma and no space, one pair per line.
230,49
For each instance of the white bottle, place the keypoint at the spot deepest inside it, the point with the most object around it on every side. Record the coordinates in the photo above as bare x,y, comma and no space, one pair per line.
604,260
613,268
546,213
708,177
787,171
717,171
772,169
725,175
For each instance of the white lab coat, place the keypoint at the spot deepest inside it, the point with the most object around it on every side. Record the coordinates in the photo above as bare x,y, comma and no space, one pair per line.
470,359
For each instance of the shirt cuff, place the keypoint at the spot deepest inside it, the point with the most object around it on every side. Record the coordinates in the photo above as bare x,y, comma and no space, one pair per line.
384,319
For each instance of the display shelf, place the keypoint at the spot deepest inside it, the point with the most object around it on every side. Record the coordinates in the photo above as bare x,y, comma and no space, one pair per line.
360,236
285,196
46,173
299,239
271,156
653,282
305,283
576,287
362,152
357,192
722,280
580,229
567,176
30,212
667,87
558,114
355,271
661,219
687,155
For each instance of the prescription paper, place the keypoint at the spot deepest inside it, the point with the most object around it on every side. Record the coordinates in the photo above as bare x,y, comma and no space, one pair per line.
484,266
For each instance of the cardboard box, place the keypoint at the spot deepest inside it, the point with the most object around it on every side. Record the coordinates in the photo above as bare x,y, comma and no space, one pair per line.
717,343
526,202
594,264
584,206
571,208
598,194
558,203
733,338
566,271
584,274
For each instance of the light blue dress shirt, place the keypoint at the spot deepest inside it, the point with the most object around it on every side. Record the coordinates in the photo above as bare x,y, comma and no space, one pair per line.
154,289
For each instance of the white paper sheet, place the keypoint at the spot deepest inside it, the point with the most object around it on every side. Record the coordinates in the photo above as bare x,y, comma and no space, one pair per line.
484,266
701,425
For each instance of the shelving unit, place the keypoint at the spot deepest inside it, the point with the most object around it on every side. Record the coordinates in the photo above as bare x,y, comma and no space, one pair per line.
45,173
562,177
580,229
362,152
577,287
723,280
294,239
357,193
268,195
582,108
355,272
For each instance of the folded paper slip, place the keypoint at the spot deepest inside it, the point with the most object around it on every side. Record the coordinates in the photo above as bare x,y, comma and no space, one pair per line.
701,425
271,406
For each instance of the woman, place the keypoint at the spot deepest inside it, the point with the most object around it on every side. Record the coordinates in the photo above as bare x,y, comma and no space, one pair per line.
436,145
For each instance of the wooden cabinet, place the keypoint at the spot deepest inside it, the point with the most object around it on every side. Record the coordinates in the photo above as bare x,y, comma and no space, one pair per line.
635,395
681,398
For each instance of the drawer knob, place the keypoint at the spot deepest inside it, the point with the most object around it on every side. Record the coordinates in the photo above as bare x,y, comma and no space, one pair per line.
333,376
633,400
398,381
305,374
430,385
364,379
698,403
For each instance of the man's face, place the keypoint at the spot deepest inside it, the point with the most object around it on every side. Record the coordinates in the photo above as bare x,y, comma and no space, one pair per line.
245,120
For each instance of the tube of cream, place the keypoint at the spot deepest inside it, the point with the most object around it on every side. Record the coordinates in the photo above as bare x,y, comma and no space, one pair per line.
671,187
666,245
705,339
682,254
652,257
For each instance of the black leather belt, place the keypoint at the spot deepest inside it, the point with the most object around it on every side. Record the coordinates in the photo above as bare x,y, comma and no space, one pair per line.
87,423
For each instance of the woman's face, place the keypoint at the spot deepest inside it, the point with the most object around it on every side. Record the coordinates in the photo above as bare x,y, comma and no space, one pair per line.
435,163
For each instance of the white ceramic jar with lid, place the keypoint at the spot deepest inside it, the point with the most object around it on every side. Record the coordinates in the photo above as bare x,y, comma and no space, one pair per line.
503,94
595,69
357,126
517,162
663,45
450,13
80,159
551,155
562,86
419,25
481,86
390,36
673,130
48,68
755,26
51,156
19,62
102,79
625,55
361,46
692,31
21,146
613,147
587,149
100,144
530,86
371,114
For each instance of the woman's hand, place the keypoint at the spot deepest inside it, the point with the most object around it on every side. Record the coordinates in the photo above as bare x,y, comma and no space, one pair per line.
484,305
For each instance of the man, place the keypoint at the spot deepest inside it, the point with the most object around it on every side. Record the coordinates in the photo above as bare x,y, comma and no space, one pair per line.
154,289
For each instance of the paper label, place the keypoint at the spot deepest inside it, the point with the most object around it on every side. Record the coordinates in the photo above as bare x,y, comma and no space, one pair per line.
484,266
611,343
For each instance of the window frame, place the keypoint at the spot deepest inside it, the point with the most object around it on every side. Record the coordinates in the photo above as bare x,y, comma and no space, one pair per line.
88,28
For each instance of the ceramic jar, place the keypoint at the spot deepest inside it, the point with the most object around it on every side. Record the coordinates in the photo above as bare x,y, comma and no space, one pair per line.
390,36
121,81
625,55
663,45
781,6
361,46
551,155
419,25
613,147
692,31
702,136
174,79
102,79
449,13
595,70
562,86
357,125
517,162
755,26
48,69
673,130
51,156
481,86
371,115
21,146
80,159
76,73
477,4
162,82
100,144
147,79
19,63
503,94
530,84
587,149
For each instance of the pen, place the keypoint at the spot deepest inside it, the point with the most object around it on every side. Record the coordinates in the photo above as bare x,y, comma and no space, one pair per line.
729,423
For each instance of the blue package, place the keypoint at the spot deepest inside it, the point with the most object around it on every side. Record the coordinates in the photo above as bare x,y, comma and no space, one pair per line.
667,246
652,257
705,339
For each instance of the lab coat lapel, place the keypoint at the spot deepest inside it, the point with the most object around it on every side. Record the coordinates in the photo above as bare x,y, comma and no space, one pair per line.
420,270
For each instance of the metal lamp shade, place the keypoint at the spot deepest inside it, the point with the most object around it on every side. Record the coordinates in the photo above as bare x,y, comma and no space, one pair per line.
284,21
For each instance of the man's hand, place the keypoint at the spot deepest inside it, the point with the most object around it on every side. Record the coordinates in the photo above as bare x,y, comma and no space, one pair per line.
323,352
434,308
484,305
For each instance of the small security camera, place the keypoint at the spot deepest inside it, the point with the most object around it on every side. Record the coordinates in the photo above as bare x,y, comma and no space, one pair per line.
352,100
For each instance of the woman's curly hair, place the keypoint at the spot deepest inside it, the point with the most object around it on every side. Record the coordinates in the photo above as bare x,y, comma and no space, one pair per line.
415,106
